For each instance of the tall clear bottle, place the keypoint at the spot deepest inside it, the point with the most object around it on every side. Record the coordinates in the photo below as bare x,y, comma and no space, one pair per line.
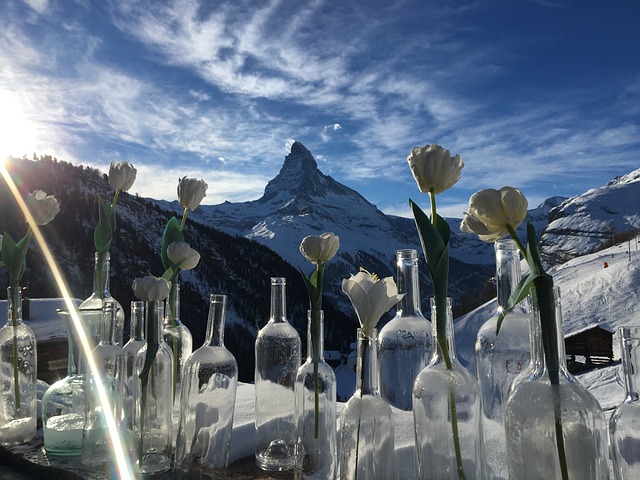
277,358
208,402
153,397
624,425
178,337
447,411
500,358
316,432
100,294
404,344
18,362
555,427
109,362
130,351
366,428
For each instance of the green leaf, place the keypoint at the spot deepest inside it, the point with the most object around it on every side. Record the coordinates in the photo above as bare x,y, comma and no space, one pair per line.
533,250
519,293
310,283
105,227
172,234
14,255
431,240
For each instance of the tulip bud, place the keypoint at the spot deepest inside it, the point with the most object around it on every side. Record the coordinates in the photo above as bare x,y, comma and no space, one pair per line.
490,211
433,167
151,289
191,191
122,176
320,248
43,207
185,257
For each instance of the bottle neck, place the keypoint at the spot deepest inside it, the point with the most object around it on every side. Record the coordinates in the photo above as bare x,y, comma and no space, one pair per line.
14,306
315,327
445,324
109,311
215,324
507,270
101,275
630,341
278,312
408,283
154,322
547,310
137,321
367,364
172,306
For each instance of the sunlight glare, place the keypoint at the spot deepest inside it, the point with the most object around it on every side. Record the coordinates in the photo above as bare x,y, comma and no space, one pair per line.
16,132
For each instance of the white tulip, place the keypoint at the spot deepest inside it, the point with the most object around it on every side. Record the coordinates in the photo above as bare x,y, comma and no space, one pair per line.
43,207
370,297
433,167
185,257
151,289
319,249
122,176
191,191
491,211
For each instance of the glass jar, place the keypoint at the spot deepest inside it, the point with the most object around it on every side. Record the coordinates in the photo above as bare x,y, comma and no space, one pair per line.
100,294
18,377
366,428
315,409
499,358
153,397
109,362
447,411
555,428
63,411
208,401
277,359
404,344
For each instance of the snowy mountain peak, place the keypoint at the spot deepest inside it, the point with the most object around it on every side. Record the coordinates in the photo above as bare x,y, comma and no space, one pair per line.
630,177
299,174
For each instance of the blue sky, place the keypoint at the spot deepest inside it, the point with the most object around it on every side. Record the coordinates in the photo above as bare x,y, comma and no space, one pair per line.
542,95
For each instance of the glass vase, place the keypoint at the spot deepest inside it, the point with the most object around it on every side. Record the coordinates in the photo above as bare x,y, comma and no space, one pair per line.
130,352
208,402
555,428
366,429
277,359
404,344
109,362
18,377
63,404
499,358
315,409
447,412
153,397
624,425
100,294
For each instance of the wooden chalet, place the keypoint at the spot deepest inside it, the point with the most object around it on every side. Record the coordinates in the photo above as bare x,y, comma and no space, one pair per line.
589,348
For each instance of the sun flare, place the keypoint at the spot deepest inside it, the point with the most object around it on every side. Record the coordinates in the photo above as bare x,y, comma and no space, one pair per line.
17,136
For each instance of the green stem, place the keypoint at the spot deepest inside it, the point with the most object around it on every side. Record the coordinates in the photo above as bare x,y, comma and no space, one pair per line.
14,318
434,214
184,218
516,239
115,198
315,343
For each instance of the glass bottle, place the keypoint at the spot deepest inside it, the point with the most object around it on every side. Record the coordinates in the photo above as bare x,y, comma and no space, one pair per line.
109,362
63,411
624,425
98,296
366,431
316,429
178,337
404,344
18,391
130,351
153,397
499,358
277,358
208,401
545,400
447,411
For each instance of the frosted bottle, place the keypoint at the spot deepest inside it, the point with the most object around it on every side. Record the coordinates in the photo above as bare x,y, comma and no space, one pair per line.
130,351
277,359
207,402
109,362
366,428
499,358
404,344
